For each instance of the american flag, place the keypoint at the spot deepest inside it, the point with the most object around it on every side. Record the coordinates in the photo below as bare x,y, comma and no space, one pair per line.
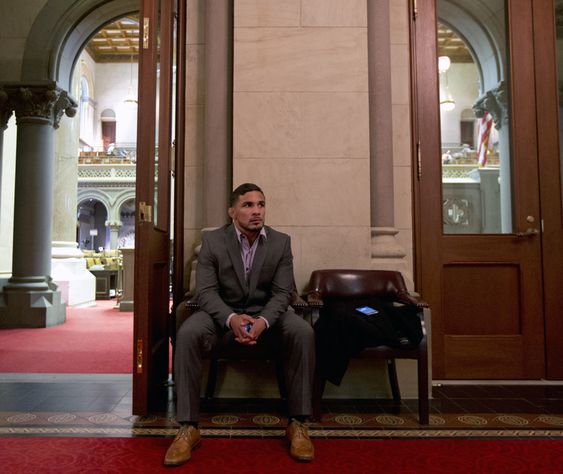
485,124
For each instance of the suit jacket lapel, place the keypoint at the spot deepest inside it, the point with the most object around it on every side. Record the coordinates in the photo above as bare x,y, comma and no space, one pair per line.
233,249
257,263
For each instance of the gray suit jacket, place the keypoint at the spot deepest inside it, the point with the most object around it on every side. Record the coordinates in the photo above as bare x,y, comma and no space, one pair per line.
221,287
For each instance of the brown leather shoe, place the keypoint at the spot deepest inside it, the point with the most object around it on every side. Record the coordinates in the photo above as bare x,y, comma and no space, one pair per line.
300,445
180,450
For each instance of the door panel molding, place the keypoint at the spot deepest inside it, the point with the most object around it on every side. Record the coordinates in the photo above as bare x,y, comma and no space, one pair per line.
514,346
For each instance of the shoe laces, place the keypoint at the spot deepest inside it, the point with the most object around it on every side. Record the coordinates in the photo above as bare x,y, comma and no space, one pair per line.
185,432
301,430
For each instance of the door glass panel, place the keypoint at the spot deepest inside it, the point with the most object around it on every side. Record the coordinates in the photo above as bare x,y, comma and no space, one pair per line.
157,114
559,27
173,122
475,117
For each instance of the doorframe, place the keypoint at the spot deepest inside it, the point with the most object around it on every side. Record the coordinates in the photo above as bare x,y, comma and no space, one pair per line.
425,125
178,276
549,161
426,140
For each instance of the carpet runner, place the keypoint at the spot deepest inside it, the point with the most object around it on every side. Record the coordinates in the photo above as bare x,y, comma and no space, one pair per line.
96,340
142,455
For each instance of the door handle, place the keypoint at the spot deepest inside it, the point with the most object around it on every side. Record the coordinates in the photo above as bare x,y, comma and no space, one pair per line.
530,232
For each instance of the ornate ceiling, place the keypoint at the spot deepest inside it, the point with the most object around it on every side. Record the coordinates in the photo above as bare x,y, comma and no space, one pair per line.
117,42
451,45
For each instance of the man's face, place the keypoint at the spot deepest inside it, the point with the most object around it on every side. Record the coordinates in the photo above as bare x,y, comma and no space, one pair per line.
249,212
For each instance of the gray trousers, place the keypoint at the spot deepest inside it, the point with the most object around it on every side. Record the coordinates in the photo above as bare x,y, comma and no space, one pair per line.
199,336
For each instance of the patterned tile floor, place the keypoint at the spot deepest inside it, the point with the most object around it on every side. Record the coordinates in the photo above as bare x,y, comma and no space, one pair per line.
101,406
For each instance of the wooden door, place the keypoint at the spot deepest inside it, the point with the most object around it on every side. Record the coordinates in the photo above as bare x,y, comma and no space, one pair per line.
155,152
548,13
482,277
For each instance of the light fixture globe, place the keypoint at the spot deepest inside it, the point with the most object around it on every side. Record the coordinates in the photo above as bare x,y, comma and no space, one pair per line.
444,64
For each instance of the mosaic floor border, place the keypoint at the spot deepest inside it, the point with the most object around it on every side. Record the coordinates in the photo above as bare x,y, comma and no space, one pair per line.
261,424
257,433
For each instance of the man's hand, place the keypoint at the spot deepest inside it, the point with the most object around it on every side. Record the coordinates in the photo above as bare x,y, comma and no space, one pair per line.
238,325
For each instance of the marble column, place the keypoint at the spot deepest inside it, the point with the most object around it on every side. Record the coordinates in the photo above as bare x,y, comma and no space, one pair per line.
113,227
126,299
495,102
68,265
217,166
6,109
386,253
218,122
31,299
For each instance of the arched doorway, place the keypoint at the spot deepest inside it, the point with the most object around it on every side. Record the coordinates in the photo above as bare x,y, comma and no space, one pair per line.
57,36
127,231
92,216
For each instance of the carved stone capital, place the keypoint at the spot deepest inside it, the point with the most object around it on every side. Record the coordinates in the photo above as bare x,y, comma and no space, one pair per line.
39,104
114,225
495,102
65,105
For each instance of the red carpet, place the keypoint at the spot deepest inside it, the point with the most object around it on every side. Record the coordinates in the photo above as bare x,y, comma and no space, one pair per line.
217,456
97,340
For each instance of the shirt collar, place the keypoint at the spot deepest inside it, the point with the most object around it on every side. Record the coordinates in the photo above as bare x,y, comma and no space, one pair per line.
262,233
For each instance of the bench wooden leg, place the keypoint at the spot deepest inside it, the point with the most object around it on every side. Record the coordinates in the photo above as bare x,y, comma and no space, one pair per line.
423,404
318,389
280,376
212,378
393,381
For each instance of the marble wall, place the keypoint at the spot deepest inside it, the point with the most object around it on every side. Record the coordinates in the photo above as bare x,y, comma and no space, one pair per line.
301,124
195,112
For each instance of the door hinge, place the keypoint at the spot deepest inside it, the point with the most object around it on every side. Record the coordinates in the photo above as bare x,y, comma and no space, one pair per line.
146,26
414,9
418,161
145,212
139,362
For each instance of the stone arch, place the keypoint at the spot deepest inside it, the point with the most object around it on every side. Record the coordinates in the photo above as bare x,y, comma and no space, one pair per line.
482,29
59,33
121,199
108,114
85,194
127,230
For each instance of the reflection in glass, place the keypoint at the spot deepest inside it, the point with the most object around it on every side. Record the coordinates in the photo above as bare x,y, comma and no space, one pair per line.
474,114
157,116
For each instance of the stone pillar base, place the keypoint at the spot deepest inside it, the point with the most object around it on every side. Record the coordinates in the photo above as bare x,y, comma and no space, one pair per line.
126,301
68,270
387,254
31,309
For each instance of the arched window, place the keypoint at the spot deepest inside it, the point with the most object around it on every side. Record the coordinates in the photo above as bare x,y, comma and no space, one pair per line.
468,128
108,128
87,108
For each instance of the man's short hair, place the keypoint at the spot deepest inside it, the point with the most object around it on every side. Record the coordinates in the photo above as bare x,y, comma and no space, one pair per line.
241,190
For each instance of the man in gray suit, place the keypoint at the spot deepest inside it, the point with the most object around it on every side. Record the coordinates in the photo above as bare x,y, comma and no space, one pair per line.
244,284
